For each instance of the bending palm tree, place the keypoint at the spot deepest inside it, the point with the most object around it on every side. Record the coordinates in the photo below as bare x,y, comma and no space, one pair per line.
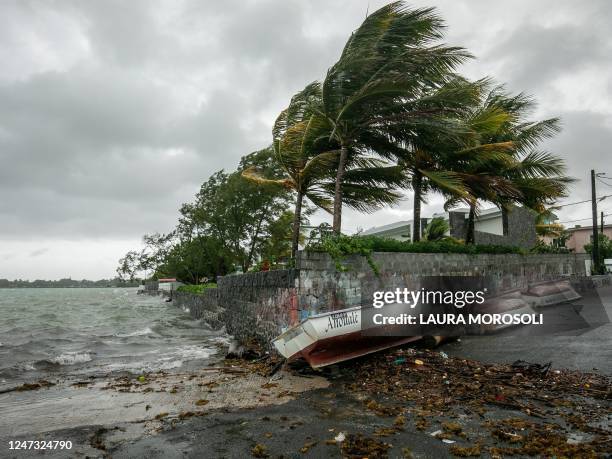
477,158
309,159
423,148
501,166
386,67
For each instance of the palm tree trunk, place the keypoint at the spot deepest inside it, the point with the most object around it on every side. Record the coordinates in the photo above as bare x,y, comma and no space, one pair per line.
297,217
338,191
417,187
255,239
469,237
504,213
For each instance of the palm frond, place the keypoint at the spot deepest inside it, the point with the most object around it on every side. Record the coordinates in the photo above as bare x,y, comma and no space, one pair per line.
540,164
448,181
253,175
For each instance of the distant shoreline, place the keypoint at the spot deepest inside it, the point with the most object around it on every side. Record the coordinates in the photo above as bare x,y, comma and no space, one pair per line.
59,284
58,287
69,282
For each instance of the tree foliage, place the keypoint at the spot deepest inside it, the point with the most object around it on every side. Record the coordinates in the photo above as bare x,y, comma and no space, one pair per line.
388,80
436,229
230,224
605,249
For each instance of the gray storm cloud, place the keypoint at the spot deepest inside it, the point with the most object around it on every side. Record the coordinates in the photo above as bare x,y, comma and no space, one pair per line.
113,113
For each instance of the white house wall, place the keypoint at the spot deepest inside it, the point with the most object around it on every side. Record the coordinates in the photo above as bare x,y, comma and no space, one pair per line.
490,225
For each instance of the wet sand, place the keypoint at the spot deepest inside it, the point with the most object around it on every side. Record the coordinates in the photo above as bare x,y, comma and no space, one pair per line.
131,407
288,414
392,404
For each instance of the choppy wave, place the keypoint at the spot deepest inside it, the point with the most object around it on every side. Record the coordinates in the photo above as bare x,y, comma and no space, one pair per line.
223,340
26,366
143,332
194,352
71,358
96,330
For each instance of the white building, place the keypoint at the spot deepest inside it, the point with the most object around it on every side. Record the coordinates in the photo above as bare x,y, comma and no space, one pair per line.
487,221
168,284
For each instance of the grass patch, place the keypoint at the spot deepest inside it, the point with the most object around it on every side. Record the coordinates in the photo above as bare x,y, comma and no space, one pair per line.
196,289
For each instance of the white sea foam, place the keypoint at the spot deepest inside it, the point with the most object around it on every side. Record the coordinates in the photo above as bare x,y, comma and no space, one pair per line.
26,366
177,357
195,352
143,332
191,352
170,365
166,361
223,340
71,358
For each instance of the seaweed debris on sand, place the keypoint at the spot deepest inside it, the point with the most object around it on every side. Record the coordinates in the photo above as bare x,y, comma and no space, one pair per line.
499,409
402,402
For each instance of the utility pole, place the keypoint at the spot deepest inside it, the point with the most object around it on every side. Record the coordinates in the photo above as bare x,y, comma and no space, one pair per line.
601,227
595,235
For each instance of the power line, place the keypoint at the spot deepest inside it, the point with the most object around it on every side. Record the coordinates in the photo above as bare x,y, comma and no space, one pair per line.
603,178
581,202
600,180
580,219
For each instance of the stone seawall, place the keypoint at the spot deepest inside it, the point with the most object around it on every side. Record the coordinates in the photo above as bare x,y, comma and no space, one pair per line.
323,288
204,306
197,305
261,305
585,284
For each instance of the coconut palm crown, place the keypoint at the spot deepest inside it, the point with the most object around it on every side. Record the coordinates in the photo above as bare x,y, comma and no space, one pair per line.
388,64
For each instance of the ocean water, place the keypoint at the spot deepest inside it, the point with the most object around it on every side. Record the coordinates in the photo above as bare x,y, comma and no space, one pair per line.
52,333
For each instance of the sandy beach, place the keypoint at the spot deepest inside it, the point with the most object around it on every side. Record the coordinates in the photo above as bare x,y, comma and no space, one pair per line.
401,403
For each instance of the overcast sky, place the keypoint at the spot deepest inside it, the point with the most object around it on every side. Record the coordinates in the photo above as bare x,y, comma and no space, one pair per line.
113,113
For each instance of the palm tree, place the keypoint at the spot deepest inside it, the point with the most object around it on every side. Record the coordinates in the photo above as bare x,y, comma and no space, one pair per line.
436,229
426,157
478,156
387,66
308,159
501,165
423,148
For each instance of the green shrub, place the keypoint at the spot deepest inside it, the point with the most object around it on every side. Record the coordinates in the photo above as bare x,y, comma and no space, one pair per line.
542,247
347,245
196,289
340,246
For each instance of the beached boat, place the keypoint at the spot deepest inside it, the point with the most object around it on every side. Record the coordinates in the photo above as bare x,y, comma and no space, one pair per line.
333,337
550,293
511,302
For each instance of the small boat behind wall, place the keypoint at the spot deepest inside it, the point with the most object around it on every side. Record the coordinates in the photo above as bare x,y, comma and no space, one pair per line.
512,302
550,293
